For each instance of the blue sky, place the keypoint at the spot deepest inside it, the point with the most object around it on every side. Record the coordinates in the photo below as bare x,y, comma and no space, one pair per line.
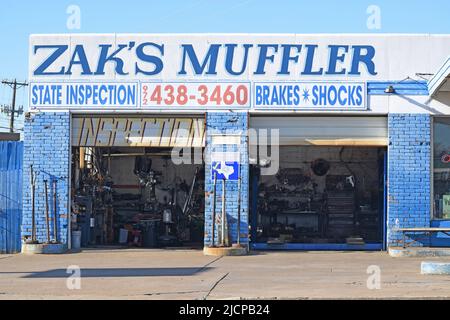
18,19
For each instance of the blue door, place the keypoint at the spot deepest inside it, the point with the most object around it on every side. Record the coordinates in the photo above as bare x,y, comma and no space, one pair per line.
11,154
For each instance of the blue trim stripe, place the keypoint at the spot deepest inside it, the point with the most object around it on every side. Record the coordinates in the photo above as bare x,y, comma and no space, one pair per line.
437,80
411,88
317,247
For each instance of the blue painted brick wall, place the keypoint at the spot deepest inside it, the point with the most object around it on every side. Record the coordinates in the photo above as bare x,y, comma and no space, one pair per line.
409,175
227,123
47,148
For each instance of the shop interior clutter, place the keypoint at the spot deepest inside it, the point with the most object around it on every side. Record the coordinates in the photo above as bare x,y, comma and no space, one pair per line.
136,197
139,197
321,195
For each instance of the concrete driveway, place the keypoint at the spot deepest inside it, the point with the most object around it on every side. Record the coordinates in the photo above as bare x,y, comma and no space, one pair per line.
187,274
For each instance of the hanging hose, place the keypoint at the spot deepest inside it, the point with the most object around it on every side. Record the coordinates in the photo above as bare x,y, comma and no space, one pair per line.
347,166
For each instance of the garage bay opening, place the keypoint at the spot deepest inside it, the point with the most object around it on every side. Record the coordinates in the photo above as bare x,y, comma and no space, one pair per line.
329,190
128,191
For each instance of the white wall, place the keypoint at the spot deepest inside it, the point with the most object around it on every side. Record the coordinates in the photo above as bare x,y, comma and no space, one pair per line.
410,104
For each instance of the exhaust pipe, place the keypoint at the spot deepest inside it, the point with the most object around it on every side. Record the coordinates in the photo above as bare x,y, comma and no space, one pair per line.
33,205
213,244
47,216
55,213
239,214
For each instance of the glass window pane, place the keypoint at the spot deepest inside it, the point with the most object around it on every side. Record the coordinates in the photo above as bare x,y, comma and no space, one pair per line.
441,163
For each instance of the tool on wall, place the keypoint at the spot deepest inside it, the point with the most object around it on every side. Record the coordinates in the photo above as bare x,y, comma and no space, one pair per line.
191,191
214,212
147,180
47,216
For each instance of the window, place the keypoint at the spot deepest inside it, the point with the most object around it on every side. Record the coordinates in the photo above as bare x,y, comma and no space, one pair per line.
441,165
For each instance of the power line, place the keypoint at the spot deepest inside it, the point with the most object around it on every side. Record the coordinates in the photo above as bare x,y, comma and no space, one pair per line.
11,110
18,129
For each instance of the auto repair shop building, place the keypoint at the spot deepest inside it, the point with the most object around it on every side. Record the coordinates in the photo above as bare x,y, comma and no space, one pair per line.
358,130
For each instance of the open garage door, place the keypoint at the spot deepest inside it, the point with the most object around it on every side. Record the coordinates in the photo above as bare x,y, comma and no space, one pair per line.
122,131
326,131
129,186
328,192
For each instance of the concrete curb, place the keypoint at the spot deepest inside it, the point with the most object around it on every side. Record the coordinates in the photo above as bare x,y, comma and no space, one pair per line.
437,268
42,248
222,252
398,252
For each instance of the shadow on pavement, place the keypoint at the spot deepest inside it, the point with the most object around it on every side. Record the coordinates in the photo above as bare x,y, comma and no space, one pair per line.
115,272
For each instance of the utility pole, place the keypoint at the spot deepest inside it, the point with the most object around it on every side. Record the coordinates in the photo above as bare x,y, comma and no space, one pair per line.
12,109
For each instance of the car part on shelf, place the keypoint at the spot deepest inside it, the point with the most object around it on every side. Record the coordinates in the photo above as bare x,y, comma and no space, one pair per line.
147,180
320,167
191,191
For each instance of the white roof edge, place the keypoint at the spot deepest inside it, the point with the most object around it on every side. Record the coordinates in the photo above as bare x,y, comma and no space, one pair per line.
375,35
439,78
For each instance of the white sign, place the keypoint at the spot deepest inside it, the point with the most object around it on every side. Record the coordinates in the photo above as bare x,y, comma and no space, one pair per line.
225,165
233,57
310,95
220,71
84,95
195,94
110,131
199,95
